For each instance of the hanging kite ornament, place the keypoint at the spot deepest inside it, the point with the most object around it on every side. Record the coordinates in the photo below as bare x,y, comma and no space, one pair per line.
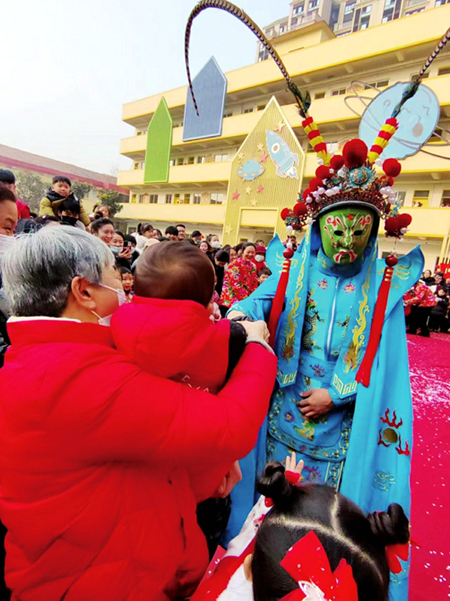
348,178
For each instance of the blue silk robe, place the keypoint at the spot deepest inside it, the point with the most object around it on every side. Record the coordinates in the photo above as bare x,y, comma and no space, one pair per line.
363,446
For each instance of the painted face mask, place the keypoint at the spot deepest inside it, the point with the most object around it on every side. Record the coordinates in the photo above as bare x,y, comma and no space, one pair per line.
345,233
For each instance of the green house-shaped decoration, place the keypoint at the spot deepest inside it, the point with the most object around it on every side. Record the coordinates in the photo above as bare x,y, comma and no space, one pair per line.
159,144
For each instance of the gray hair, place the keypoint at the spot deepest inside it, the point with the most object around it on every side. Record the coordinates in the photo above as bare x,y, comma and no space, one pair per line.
38,269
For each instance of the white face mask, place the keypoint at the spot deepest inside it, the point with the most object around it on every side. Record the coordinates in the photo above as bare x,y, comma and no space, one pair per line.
259,258
215,244
5,243
122,300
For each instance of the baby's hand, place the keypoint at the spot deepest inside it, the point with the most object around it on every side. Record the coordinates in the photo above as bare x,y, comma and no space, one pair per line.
293,467
256,328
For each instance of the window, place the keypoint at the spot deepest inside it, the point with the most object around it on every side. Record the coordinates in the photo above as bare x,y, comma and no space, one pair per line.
169,199
319,95
260,107
298,9
180,161
196,199
139,133
367,10
401,195
389,4
172,162
263,54
421,198
176,199
445,200
245,111
283,28
444,71
135,165
338,92
387,18
133,198
294,21
187,199
217,198
153,199
191,160
376,84
201,159
313,4
349,7
228,115
220,158
440,2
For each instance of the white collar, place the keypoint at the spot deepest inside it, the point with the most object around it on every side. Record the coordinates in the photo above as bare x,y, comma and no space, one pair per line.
15,319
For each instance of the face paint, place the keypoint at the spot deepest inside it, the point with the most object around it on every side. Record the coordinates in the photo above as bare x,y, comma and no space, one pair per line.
345,233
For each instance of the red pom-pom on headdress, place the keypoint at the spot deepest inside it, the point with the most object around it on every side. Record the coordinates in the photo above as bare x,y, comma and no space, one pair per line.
337,162
392,225
285,213
392,167
323,172
315,183
300,209
355,153
306,193
405,219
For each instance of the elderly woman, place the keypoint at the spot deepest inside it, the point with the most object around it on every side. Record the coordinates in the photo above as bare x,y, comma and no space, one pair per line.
94,453
241,278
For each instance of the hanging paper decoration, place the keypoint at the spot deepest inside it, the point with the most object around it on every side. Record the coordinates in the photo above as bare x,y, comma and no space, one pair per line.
250,170
281,155
410,132
159,145
210,87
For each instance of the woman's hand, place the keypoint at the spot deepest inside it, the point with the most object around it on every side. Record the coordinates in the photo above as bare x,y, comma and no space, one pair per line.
256,328
229,482
316,402
125,253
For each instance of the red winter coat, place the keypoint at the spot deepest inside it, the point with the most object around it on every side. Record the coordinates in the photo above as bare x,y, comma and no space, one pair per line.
22,209
174,339
95,492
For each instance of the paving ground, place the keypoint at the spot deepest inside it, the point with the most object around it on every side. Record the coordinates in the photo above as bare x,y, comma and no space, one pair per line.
430,382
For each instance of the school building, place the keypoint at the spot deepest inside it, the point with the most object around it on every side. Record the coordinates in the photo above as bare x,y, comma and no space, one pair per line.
215,173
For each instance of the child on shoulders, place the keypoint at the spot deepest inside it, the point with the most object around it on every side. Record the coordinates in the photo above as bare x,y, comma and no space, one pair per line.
59,191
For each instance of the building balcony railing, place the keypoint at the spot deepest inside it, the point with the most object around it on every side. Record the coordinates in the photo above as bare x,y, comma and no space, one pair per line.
426,223
182,174
212,214
326,111
417,164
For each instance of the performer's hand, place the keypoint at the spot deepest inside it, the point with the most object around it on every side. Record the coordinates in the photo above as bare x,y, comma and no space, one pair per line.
232,314
316,402
256,328
229,482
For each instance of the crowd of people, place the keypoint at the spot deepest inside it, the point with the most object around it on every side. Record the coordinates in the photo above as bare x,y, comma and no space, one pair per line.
427,304
127,399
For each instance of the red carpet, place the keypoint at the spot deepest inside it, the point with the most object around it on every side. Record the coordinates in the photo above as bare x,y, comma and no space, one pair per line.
430,480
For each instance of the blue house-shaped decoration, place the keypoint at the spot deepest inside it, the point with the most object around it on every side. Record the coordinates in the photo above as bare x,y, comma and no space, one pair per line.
210,87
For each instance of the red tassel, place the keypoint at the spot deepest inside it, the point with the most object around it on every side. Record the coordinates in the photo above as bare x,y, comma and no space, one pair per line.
278,301
365,368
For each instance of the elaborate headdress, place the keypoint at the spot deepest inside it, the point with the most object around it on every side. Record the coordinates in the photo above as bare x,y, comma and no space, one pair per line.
349,178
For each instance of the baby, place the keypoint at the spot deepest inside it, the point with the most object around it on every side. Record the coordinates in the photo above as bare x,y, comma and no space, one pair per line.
167,329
